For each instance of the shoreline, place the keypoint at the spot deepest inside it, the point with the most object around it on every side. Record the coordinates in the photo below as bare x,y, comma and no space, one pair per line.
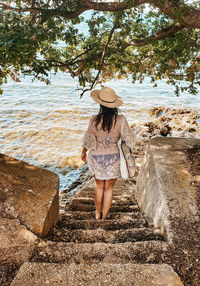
162,121
165,121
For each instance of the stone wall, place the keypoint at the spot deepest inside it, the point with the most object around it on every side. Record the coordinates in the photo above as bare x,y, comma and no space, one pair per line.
164,190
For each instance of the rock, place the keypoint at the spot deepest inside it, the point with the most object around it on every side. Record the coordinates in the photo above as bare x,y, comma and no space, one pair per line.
167,122
16,242
156,111
83,179
164,130
28,193
147,130
184,134
38,274
164,189
161,110
182,119
73,161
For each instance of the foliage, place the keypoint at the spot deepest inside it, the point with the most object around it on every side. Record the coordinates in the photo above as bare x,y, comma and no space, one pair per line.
115,45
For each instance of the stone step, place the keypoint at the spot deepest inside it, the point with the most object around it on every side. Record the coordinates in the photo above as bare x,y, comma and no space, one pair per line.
137,252
116,198
95,224
122,198
82,215
120,190
90,201
119,193
101,235
37,274
89,208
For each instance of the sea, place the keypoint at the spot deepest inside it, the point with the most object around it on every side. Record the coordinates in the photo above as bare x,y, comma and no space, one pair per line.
44,124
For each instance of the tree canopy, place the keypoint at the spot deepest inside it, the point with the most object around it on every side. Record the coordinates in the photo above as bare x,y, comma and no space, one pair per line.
122,39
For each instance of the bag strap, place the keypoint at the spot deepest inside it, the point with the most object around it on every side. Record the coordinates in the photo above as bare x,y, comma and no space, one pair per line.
122,125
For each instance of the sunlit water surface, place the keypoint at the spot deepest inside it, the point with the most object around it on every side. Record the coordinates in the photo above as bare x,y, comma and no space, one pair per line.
44,125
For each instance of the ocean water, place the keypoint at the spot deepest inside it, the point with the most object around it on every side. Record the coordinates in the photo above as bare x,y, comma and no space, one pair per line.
44,125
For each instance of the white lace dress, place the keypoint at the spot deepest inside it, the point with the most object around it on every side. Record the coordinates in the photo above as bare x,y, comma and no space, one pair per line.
103,155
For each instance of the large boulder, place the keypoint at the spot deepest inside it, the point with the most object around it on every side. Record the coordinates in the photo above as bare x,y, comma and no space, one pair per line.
28,193
166,190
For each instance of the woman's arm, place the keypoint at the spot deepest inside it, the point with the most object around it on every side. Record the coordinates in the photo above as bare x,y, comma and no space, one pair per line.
83,154
89,140
127,134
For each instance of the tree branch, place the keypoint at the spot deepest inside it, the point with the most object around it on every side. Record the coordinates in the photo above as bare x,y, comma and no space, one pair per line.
73,61
46,12
5,6
86,5
66,65
73,73
101,62
113,6
178,10
166,32
185,14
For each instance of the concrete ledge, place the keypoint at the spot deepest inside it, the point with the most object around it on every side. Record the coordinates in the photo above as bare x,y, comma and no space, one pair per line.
164,189
28,193
39,274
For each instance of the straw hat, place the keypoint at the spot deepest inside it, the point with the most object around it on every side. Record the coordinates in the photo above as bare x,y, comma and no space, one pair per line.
106,96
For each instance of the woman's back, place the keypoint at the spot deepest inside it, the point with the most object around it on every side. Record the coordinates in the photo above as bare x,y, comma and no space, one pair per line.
106,141
98,141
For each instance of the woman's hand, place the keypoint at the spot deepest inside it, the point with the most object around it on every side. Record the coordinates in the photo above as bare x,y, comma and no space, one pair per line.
83,155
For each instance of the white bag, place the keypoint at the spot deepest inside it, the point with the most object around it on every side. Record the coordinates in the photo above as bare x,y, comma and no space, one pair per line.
127,161
123,165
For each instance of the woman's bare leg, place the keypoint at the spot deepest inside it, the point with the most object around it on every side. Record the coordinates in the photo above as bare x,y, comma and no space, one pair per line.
107,197
99,192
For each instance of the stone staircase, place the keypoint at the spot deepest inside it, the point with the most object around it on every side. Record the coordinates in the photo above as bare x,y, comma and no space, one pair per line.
125,222
78,243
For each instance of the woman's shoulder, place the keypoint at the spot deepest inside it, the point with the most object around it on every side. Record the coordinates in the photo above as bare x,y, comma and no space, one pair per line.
121,116
93,117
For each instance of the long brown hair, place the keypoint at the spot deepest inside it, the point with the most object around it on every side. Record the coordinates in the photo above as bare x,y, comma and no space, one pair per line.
106,115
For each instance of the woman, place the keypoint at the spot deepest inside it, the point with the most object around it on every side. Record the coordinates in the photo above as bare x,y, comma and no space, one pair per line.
100,139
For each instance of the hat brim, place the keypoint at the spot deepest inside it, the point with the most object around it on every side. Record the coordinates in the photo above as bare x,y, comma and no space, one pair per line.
95,96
